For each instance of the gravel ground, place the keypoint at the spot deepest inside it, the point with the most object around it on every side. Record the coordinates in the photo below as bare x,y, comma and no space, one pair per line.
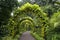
26,36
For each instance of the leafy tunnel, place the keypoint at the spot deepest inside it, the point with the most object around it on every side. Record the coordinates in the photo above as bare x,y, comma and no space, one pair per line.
29,18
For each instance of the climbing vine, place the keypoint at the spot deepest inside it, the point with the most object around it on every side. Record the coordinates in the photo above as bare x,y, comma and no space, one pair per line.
29,17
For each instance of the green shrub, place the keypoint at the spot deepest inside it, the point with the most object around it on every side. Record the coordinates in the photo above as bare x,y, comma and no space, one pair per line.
36,36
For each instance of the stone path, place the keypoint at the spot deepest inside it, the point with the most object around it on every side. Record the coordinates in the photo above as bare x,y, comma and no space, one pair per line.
26,36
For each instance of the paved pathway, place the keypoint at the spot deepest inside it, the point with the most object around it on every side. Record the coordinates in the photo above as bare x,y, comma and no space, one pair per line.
26,36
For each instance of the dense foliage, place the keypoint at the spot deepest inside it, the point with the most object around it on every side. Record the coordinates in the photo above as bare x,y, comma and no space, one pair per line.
41,17
53,32
6,7
26,17
48,6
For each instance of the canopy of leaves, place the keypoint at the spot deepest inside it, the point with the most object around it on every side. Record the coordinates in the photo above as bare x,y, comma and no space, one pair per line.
28,15
6,7
54,27
48,6
55,19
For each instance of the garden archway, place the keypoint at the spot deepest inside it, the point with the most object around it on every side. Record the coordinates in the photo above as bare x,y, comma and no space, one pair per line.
32,16
26,24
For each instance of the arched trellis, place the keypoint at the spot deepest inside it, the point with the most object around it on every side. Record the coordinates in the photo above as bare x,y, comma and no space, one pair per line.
26,20
33,14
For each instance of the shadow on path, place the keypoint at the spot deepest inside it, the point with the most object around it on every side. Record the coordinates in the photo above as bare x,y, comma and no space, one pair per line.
26,36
